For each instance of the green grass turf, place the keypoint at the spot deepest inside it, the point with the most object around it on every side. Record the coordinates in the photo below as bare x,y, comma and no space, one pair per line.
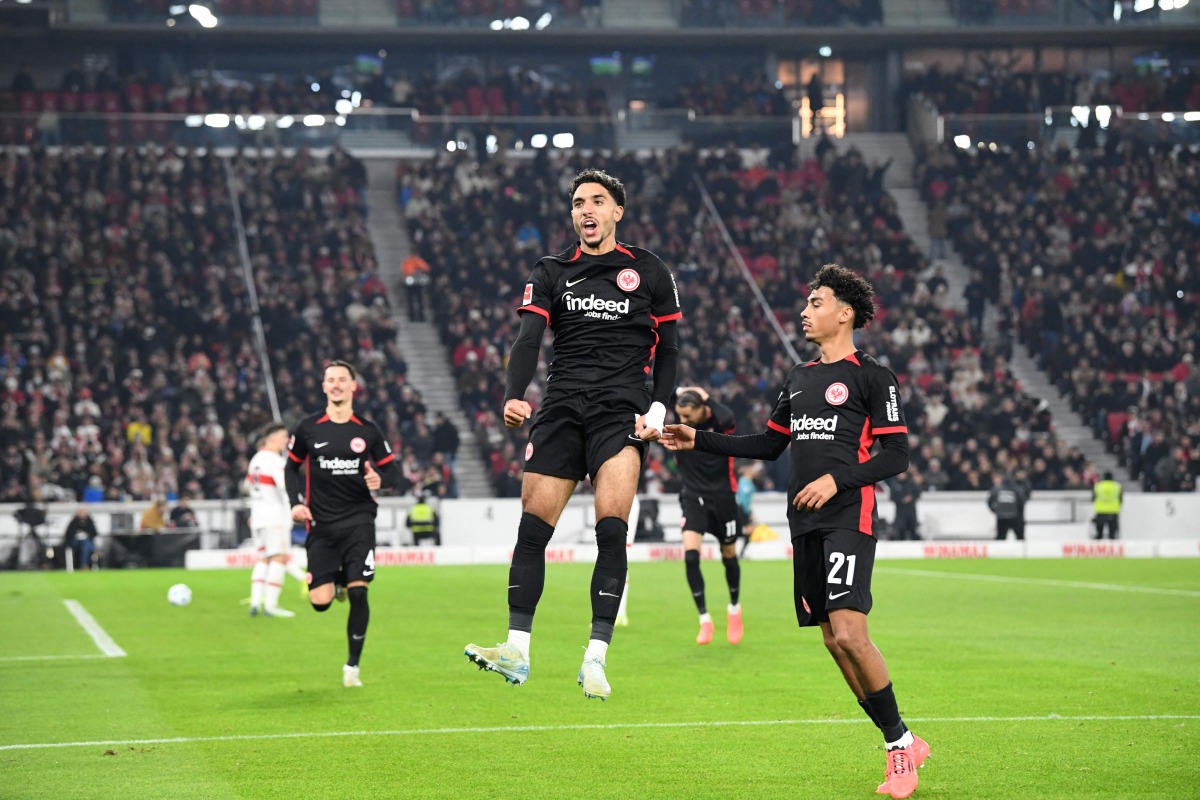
957,648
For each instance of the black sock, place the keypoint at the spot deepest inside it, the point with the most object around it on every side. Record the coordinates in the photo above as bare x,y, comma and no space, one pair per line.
527,575
887,715
608,578
695,579
733,576
356,623
866,707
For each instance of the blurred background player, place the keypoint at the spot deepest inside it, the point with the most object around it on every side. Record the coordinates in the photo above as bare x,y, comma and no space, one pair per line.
709,502
270,521
614,309
337,447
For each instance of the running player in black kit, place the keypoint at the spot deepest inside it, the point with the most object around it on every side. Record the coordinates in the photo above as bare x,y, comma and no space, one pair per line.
614,310
832,411
337,447
709,506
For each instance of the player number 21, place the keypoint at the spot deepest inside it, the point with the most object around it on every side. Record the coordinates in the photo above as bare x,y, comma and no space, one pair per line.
838,560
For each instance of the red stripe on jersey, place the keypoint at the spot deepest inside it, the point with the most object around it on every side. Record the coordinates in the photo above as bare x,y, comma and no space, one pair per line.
265,480
578,253
775,426
308,486
295,457
732,477
893,429
387,460
667,318
853,359
355,420
865,516
622,248
535,310
323,419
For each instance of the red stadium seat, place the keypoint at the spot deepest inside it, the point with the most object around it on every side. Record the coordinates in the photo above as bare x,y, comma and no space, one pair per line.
406,9
28,102
475,105
1116,425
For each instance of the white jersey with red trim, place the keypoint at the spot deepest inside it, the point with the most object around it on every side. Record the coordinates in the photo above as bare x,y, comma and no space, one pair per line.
269,506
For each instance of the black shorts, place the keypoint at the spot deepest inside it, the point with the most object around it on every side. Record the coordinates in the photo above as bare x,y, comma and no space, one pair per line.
341,555
832,569
573,436
718,515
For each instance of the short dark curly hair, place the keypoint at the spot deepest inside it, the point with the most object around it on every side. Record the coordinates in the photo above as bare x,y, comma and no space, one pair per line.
614,186
850,288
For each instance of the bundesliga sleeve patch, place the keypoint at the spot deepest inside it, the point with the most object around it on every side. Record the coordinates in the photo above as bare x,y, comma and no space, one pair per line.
527,298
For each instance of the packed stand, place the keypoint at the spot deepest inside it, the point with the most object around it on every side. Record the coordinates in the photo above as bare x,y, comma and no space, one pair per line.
126,352
997,88
571,13
1090,257
272,12
785,220
773,13
748,93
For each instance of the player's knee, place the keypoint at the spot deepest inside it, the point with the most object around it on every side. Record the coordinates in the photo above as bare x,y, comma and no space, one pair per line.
729,552
691,558
851,642
533,533
611,533
322,606
357,595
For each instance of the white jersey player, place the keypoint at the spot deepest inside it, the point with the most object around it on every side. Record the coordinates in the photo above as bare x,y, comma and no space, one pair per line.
270,521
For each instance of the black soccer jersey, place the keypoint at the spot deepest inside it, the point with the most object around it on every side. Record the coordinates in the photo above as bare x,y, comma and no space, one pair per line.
832,414
604,311
709,474
335,456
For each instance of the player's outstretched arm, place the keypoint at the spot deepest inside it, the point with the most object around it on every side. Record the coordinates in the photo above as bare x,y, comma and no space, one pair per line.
679,437
766,446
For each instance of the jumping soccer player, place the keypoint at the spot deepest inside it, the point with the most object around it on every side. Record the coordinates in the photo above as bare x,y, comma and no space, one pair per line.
270,521
337,448
614,310
709,506
832,411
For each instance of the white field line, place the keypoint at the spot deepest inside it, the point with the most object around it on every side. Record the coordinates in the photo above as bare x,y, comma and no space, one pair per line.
52,658
609,727
1108,587
99,636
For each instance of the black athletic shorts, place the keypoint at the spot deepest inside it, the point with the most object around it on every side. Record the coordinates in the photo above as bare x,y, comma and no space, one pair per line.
341,555
718,515
573,436
832,569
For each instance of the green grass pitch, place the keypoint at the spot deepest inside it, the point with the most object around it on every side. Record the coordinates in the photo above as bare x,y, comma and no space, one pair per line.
1044,679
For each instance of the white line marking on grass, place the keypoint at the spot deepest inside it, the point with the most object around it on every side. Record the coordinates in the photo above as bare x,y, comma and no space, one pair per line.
1110,587
102,639
558,728
51,658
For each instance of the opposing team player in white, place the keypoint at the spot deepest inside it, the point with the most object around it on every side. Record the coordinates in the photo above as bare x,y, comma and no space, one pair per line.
270,521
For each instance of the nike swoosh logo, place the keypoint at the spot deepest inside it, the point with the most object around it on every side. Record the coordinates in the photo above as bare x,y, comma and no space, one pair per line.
608,594
368,574
319,445
572,283
793,394
833,596
357,638
637,438
515,586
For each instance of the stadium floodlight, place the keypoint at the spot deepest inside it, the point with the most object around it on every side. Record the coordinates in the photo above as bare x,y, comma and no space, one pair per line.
563,141
313,120
497,25
824,51
216,120
203,15
520,24
194,120
1191,116
962,141
1168,116
1142,5
340,121
545,19
492,144
1081,113
343,106
537,141
256,122
240,122
285,122
451,146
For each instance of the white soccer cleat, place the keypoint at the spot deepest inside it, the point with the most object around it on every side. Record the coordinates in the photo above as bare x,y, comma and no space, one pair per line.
350,676
278,612
592,679
503,658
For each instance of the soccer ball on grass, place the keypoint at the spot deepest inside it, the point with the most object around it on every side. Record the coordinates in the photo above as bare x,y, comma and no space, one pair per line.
179,595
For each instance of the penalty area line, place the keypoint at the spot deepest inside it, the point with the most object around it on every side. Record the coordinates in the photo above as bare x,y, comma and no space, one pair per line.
970,576
98,634
559,728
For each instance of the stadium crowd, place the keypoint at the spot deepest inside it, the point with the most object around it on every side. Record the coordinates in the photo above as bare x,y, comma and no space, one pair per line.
128,365
1090,256
785,221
